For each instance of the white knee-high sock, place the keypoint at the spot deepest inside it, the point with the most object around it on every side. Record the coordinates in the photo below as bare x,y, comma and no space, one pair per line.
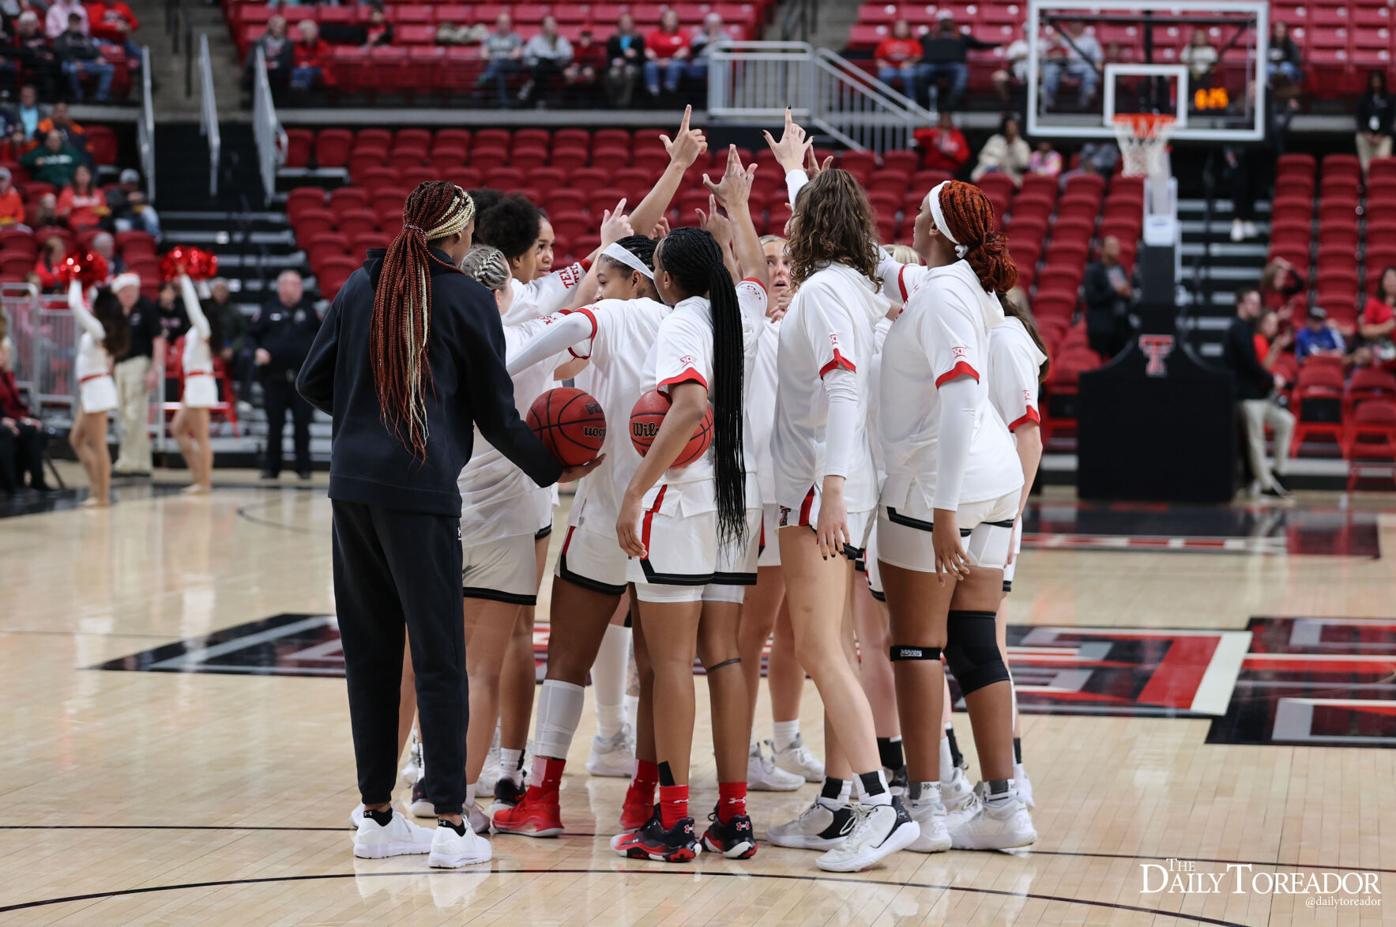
608,677
559,713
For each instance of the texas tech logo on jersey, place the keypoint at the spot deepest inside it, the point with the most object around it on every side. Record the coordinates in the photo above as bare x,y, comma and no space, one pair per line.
571,275
1156,348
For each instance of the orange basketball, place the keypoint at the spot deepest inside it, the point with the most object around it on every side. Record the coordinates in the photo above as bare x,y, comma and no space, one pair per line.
570,423
646,418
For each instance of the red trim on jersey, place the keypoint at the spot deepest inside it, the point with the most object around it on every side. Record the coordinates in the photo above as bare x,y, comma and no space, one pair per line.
901,283
567,541
763,286
806,506
1028,416
94,376
838,361
586,311
649,516
197,373
688,376
584,264
961,369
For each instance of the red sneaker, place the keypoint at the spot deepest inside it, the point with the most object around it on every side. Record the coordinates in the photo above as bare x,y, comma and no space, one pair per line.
637,809
536,815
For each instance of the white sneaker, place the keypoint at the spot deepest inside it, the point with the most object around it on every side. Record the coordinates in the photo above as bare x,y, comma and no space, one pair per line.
796,759
999,825
762,775
958,796
1023,785
928,811
399,837
1238,230
613,756
450,850
356,816
817,828
412,770
1250,230
881,831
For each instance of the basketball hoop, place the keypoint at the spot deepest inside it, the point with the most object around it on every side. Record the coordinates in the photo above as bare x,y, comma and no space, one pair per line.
1143,139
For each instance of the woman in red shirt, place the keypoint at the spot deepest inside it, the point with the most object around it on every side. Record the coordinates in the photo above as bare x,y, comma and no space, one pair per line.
666,49
1378,321
309,55
11,203
82,204
898,56
944,145
45,272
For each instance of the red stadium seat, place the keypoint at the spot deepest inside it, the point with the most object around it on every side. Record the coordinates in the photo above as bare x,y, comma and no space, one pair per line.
1318,403
332,147
1371,436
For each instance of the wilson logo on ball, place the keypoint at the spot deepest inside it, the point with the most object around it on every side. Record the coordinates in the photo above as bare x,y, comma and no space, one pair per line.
570,423
648,416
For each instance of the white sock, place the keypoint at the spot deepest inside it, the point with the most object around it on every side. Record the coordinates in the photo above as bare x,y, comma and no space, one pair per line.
882,796
947,763
471,790
509,762
632,709
559,712
608,677
783,733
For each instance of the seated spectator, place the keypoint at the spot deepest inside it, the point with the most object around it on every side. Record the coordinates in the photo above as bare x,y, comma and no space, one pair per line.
46,212
1374,118
112,21
61,121
666,53
502,50
712,34
944,145
1256,387
36,55
81,58
587,65
1045,160
1005,152
104,244
451,34
1200,57
82,204
58,18
1280,283
1270,343
309,54
22,436
11,203
898,58
46,266
53,162
626,51
945,55
1013,76
1099,158
378,31
1378,320
546,56
1318,338
276,49
1108,294
1075,54
129,210
1283,69
27,114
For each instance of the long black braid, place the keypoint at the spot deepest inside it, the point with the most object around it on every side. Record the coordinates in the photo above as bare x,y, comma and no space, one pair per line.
693,258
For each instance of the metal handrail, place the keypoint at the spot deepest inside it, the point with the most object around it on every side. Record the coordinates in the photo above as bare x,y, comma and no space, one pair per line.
266,127
145,126
208,114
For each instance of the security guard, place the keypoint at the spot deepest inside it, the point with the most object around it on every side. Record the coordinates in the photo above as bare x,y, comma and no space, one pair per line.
281,335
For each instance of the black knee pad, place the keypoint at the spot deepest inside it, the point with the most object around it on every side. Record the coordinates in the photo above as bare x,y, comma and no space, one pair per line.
906,652
972,650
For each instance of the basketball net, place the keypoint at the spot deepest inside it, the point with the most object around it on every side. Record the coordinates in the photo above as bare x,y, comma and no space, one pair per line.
1143,139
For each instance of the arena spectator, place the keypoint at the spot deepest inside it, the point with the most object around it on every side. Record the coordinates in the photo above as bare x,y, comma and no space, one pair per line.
46,266
27,113
1252,167
232,325
1256,388
546,55
626,51
712,33
1280,282
1098,158
1045,160
136,375
898,58
1075,54
129,210
82,204
46,212
280,335
1005,152
587,65
36,54
1200,57
1318,338
11,203
60,120
104,244
1374,120
309,55
944,144
451,34
53,162
1271,343
174,318
1283,66
112,21
82,59
22,436
945,55
1013,75
1378,319
378,31
58,18
502,50
1108,294
276,49
666,54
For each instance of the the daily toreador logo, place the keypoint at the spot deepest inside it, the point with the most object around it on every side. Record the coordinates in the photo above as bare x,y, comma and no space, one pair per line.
1320,888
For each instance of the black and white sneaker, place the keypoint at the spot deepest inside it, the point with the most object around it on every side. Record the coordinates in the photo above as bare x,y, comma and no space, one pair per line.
818,827
507,793
881,831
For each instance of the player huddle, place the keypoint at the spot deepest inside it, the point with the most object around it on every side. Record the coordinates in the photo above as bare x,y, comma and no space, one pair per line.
821,408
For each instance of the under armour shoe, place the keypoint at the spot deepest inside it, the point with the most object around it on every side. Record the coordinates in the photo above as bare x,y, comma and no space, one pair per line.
356,816
1023,785
675,845
536,815
762,774
817,828
1002,823
796,759
733,838
881,831
896,780
507,793
928,811
398,837
613,756
958,796
637,808
451,850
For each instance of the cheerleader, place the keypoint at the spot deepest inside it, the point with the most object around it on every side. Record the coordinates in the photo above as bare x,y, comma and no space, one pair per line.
945,520
190,426
105,333
826,487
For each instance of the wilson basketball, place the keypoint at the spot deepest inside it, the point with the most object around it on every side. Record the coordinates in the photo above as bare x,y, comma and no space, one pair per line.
648,415
570,423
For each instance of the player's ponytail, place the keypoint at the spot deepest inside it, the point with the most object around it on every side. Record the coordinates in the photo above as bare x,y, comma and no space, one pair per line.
964,215
693,258
401,326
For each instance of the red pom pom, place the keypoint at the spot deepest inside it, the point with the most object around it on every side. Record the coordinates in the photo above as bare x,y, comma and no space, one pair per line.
88,268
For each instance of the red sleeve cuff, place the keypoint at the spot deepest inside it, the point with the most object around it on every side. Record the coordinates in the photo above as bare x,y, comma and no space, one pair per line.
586,311
961,369
838,361
1029,416
757,282
688,376
584,264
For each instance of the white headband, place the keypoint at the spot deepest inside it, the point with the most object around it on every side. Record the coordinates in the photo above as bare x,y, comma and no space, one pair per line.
122,281
621,256
933,200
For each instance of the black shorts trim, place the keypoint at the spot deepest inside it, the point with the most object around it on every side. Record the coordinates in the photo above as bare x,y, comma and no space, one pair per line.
543,533
494,595
655,578
595,585
734,579
855,554
880,596
1008,585
897,518
1001,524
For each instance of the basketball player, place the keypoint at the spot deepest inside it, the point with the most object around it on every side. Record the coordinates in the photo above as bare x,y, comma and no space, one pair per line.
408,345
945,520
547,238
826,486
190,425
105,333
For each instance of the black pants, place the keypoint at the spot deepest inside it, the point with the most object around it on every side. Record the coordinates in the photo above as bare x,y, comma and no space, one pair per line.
396,570
19,454
279,390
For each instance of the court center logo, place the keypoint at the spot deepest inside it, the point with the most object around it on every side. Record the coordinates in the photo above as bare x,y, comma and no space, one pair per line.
1319,888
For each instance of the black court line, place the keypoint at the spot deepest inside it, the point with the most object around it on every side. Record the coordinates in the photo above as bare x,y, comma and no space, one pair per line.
685,873
244,512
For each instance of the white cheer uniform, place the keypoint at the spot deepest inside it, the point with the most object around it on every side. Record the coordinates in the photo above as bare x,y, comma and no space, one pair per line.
200,386
96,389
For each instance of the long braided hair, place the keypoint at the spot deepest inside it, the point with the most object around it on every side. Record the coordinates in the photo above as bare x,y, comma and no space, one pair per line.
401,329
693,258
970,216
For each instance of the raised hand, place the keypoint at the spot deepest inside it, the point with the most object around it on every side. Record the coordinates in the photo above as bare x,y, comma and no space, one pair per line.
661,229
812,165
715,222
687,144
790,149
734,189
615,224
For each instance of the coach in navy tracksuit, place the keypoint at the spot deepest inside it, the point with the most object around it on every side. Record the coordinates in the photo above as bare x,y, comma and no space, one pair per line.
406,384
